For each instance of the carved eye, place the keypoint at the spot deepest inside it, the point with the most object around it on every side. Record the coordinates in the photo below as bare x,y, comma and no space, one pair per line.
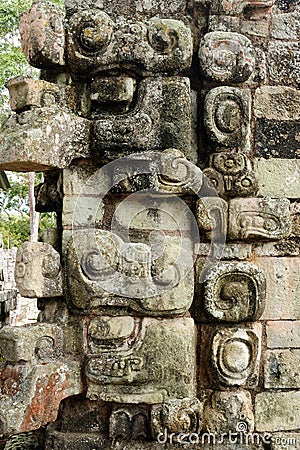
95,33
94,265
270,224
51,266
161,37
20,270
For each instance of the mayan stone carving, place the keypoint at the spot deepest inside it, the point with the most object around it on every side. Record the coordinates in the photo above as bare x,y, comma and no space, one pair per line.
38,270
227,117
235,292
138,371
168,134
231,175
235,356
266,218
226,57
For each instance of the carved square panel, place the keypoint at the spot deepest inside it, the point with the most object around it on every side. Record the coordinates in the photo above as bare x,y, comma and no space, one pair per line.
234,292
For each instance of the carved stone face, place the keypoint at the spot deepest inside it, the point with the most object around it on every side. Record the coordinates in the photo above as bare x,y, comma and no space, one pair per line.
226,57
106,274
97,43
38,270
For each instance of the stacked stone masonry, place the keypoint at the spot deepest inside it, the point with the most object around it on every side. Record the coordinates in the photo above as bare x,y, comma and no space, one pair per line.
169,294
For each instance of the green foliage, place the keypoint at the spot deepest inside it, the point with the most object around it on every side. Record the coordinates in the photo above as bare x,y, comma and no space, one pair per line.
15,216
14,205
12,59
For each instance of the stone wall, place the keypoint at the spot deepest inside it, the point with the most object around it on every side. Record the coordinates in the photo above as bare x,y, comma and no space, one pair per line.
169,294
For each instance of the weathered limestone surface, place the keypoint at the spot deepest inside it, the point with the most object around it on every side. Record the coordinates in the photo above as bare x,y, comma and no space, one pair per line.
38,270
282,276
30,395
43,35
278,177
282,369
276,411
283,334
42,139
169,134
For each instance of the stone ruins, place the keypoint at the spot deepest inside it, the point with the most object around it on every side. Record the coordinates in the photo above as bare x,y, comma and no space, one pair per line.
169,294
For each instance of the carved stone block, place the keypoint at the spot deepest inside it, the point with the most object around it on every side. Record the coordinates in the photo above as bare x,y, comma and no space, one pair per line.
168,172
42,35
129,422
43,138
177,416
227,117
226,57
259,218
237,7
30,395
105,274
235,292
277,411
115,90
235,355
231,175
229,412
37,342
130,8
26,93
212,217
154,364
38,270
159,117
97,42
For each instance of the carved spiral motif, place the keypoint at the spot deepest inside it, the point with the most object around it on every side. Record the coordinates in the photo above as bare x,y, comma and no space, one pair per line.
161,37
94,265
95,31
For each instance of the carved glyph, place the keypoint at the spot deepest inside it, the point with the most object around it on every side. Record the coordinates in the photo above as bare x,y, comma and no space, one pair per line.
148,366
235,355
227,117
235,292
259,218
226,57
231,175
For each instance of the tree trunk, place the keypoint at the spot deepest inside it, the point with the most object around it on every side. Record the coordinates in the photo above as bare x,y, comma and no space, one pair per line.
34,216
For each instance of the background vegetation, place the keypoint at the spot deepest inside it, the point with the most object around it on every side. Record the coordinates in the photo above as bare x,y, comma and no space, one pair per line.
14,204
